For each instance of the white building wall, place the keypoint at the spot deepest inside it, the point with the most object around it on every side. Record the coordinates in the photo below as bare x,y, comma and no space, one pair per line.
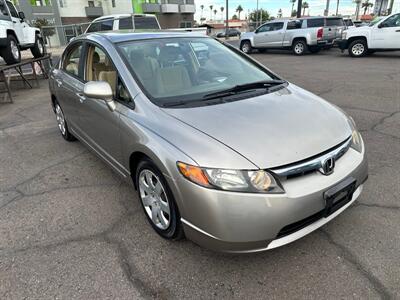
76,8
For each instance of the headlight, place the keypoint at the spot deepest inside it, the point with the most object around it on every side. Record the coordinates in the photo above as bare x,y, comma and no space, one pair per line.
356,140
257,181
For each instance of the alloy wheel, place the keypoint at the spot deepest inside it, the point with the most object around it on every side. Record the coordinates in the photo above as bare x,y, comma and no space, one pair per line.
246,48
154,199
60,119
299,48
14,49
358,49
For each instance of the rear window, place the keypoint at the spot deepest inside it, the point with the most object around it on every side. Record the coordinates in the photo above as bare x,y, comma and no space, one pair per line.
348,22
103,25
126,23
146,23
315,23
334,22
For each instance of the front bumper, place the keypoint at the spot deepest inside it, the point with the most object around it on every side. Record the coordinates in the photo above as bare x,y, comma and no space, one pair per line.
240,222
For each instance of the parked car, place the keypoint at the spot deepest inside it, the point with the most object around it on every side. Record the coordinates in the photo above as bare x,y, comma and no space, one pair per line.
220,149
17,35
299,35
232,32
381,35
124,21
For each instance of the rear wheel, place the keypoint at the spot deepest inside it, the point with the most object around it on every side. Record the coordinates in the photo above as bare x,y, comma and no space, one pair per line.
246,47
299,47
358,48
38,49
11,52
157,201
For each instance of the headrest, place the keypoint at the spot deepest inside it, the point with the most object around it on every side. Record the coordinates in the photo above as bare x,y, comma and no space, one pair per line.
169,54
96,58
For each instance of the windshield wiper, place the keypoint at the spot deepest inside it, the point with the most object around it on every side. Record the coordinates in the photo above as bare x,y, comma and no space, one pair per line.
244,87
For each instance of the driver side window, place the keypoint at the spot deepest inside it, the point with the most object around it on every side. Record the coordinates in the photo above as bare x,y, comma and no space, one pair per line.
264,28
393,21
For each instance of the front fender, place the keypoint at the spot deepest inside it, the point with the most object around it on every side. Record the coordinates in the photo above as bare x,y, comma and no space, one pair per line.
30,35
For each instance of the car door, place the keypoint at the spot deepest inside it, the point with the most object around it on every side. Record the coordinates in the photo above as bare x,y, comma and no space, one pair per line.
16,22
261,35
386,35
100,125
275,35
69,82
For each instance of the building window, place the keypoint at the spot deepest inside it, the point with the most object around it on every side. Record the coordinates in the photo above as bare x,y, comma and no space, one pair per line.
113,3
185,24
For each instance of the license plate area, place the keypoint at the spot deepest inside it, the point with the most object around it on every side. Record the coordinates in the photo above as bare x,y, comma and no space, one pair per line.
337,196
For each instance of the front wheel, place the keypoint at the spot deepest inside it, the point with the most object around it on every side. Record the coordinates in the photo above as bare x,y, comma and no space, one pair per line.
246,47
358,48
11,52
38,50
157,201
299,47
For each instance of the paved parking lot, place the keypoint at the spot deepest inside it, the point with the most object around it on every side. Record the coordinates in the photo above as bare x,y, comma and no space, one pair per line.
70,228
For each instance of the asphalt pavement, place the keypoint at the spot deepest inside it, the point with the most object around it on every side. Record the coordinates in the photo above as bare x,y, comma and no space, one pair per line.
72,229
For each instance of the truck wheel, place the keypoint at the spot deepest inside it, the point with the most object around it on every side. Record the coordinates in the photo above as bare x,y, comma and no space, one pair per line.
299,47
38,49
358,48
246,47
11,52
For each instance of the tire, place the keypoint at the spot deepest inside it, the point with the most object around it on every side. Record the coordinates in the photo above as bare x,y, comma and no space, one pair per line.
11,52
159,207
246,47
62,123
38,50
299,47
358,48
314,50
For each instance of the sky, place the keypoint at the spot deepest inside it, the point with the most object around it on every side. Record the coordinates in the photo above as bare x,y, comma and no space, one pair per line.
346,7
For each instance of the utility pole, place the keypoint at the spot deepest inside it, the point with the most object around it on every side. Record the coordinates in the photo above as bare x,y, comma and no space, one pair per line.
227,20
326,12
299,5
257,15
390,10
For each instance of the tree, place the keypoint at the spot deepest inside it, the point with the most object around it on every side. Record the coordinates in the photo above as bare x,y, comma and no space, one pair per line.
234,17
239,9
294,13
215,13
291,12
357,2
211,9
366,5
222,12
202,9
304,6
257,15
280,13
47,32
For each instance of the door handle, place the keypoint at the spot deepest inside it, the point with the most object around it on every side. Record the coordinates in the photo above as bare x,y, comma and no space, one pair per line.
14,21
81,97
398,30
59,82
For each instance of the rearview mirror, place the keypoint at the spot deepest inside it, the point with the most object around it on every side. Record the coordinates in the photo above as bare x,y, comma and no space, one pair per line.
100,90
21,15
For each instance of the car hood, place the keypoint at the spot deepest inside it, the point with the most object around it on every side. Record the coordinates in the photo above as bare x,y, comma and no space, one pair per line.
274,129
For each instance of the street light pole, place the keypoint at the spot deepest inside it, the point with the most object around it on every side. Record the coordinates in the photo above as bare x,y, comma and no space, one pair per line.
326,12
299,5
227,20
257,15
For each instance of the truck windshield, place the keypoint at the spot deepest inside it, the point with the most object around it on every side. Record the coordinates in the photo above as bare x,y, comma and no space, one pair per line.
187,69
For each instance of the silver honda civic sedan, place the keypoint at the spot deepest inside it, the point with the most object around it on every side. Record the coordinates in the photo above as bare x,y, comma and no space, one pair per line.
219,148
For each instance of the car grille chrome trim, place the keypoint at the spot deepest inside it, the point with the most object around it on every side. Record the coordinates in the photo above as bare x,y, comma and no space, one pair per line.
313,164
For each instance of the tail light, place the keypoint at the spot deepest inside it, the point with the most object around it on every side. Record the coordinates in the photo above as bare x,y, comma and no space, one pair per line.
320,33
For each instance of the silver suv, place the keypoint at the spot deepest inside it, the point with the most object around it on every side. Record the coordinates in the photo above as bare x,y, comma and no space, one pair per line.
299,35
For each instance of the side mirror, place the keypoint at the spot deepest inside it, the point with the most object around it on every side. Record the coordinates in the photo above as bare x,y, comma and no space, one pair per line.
381,25
21,15
100,90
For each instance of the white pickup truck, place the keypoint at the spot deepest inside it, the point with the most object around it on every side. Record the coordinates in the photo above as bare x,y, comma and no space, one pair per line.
381,35
17,35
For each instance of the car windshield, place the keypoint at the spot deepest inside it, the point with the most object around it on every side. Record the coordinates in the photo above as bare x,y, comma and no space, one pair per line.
374,21
188,69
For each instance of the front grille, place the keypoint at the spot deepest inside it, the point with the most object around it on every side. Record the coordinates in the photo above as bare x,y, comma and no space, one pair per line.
312,164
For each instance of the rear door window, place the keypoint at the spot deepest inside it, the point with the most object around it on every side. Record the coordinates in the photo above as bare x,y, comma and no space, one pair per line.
317,22
126,23
142,22
277,26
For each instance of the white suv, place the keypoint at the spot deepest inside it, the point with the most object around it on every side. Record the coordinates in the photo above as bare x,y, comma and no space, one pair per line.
17,35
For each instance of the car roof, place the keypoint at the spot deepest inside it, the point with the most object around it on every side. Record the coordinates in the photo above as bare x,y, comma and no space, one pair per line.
133,35
119,16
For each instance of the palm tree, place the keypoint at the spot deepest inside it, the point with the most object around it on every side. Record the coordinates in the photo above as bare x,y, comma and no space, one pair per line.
239,9
211,7
222,12
293,2
215,14
357,2
337,7
304,6
280,13
366,5
202,8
